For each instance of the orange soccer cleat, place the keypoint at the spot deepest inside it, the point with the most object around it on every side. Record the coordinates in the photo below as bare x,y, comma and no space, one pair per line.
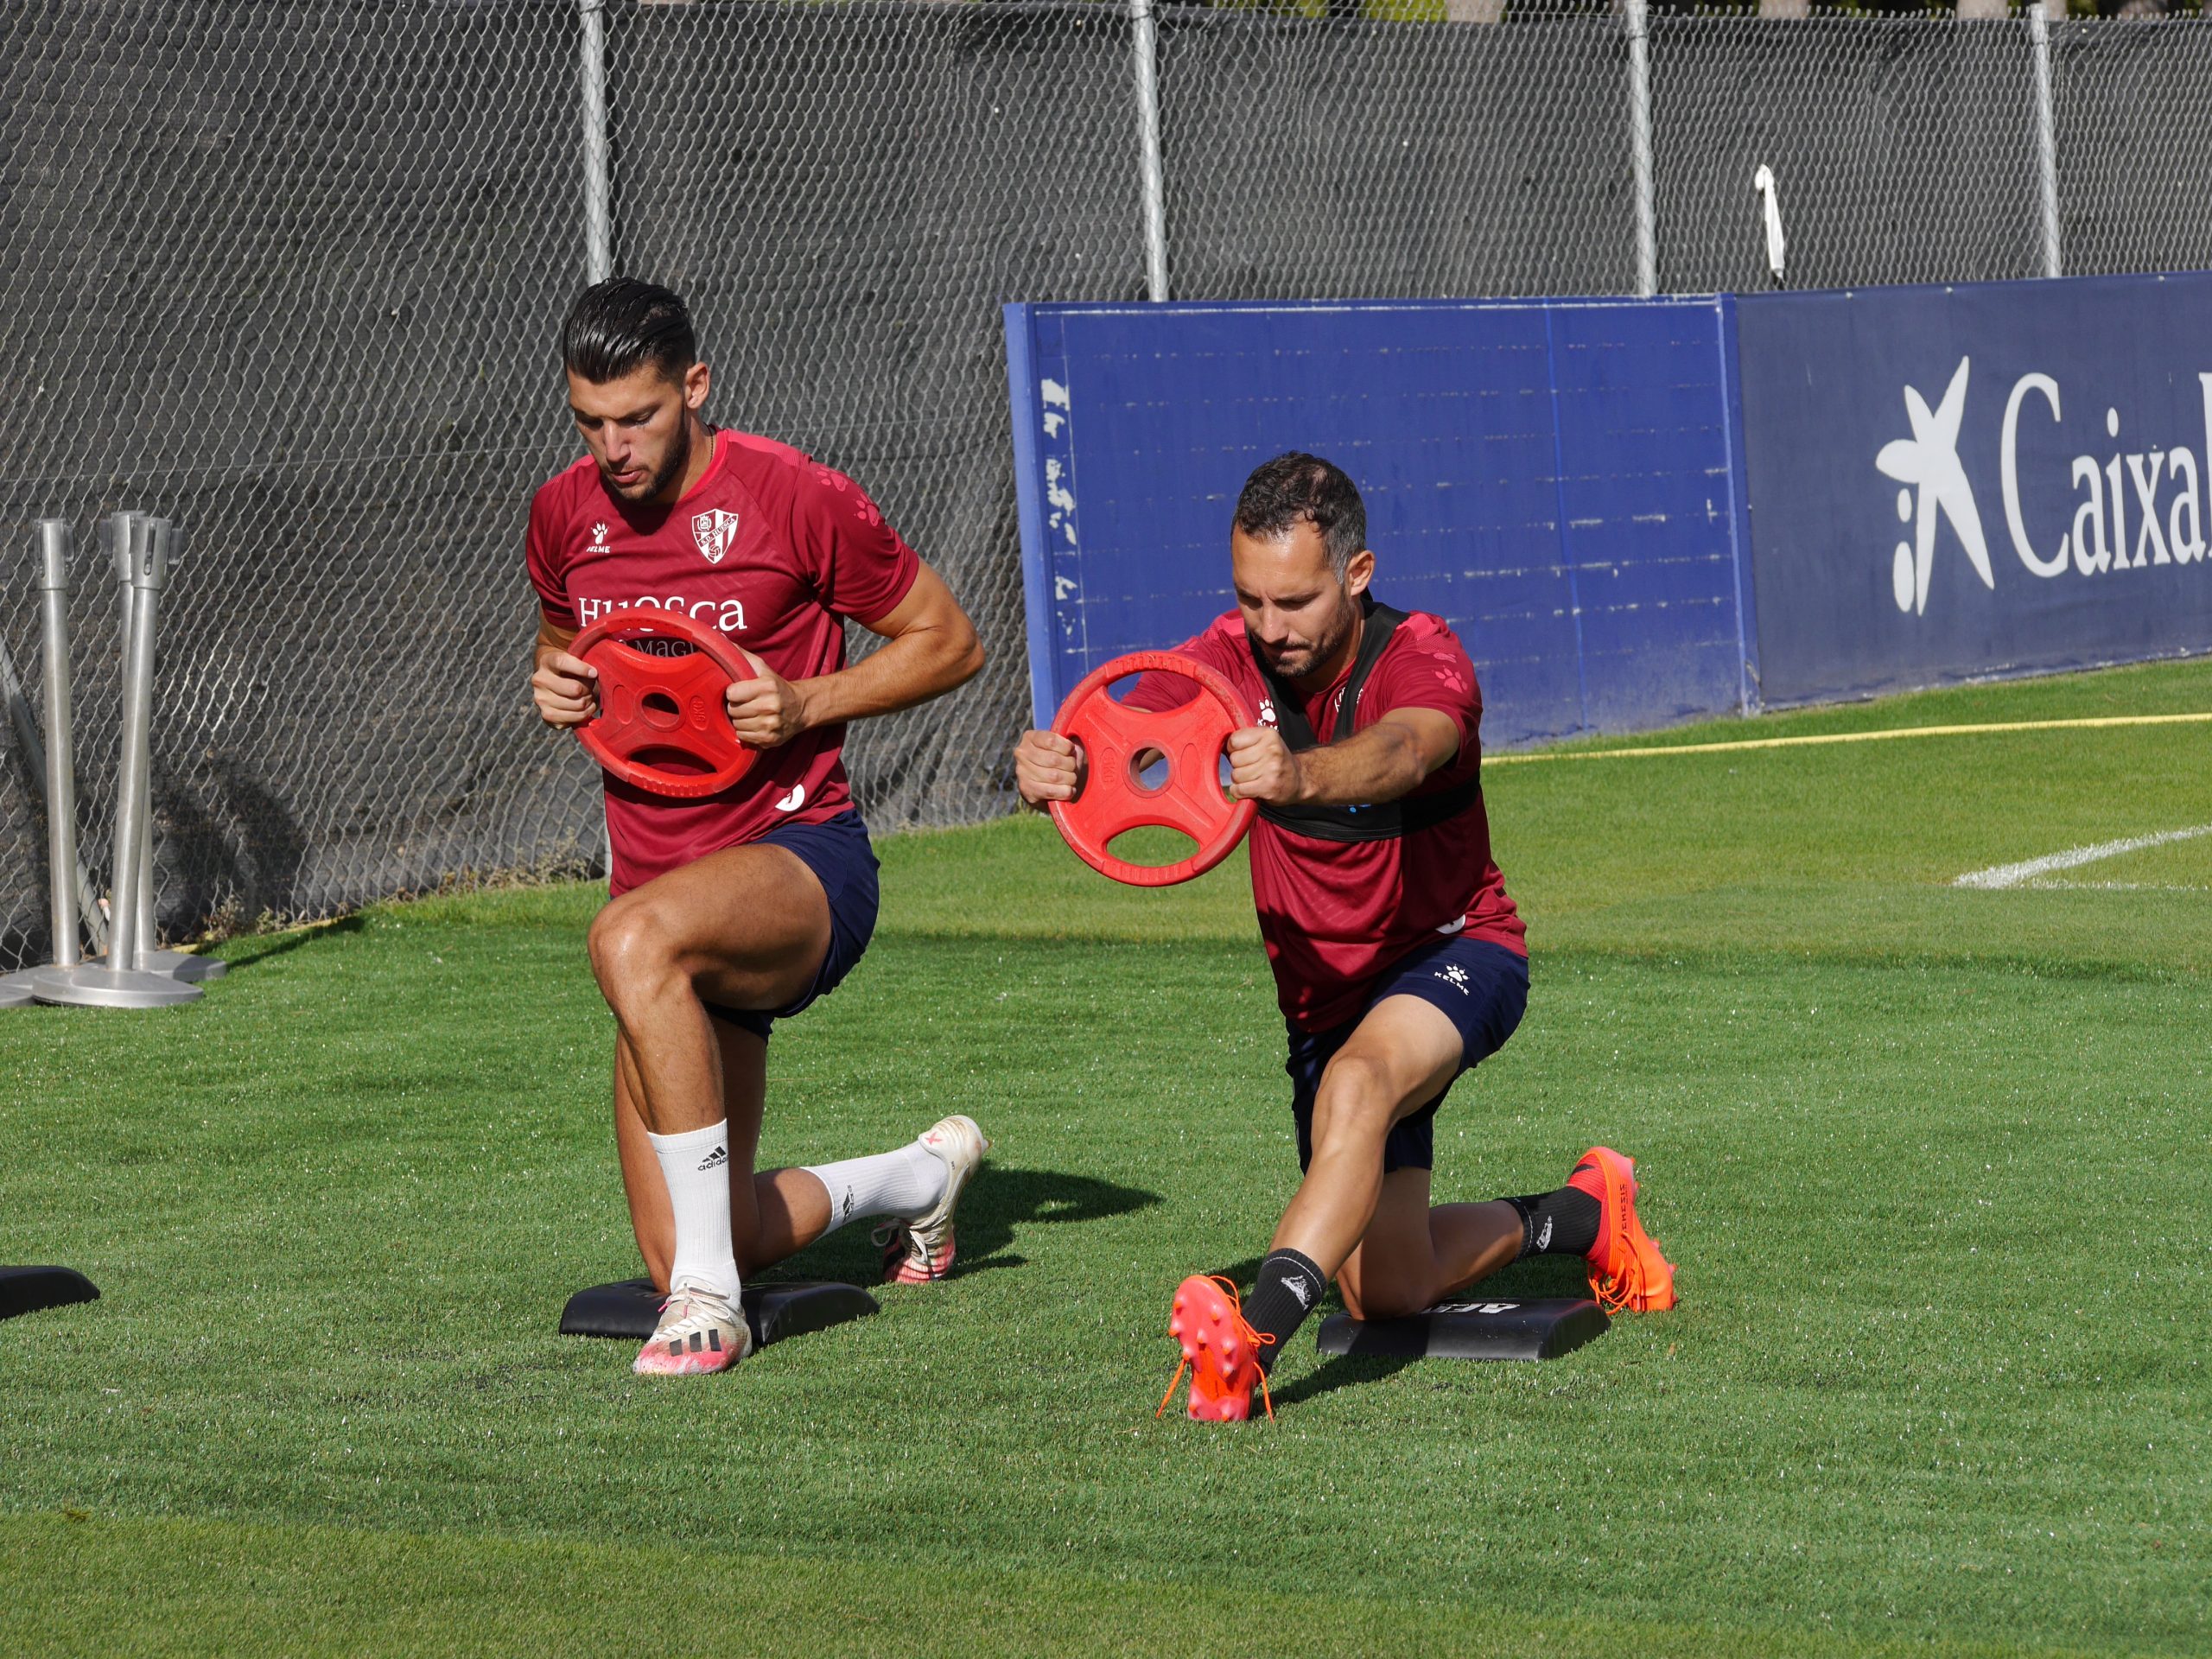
1626,1270
1220,1350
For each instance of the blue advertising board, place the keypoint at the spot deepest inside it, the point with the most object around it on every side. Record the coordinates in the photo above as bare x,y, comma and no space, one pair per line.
1953,482
1635,513
1557,479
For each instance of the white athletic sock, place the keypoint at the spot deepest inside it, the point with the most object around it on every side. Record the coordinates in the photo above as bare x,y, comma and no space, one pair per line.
696,1166
907,1183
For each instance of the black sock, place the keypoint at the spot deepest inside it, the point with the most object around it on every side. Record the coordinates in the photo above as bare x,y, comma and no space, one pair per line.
1564,1222
1287,1288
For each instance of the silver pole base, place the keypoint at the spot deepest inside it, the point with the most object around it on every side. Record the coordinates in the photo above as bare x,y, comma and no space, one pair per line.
90,986
15,988
182,964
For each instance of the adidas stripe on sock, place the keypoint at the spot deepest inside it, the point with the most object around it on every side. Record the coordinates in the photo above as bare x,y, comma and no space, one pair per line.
696,1166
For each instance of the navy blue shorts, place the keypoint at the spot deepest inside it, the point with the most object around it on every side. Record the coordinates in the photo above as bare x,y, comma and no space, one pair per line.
1483,989
838,854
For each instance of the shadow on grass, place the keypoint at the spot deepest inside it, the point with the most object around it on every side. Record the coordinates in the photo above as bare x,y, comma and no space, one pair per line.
1000,1201
1241,1273
1344,1371
1003,1200
255,949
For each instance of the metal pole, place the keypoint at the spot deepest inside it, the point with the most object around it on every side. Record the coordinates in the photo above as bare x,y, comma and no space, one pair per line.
54,549
149,936
73,900
1639,145
599,190
122,983
125,935
115,536
1151,176
151,957
63,733
598,199
2046,139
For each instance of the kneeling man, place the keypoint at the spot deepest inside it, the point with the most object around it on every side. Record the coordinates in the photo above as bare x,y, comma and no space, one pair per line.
732,912
1399,959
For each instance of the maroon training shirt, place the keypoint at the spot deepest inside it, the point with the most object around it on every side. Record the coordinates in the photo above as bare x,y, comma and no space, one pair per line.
770,547
1335,914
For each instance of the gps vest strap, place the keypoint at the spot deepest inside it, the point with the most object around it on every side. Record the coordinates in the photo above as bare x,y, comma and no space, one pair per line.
1388,820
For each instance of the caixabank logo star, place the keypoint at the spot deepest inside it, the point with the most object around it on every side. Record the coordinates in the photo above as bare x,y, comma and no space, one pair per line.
2129,511
1928,461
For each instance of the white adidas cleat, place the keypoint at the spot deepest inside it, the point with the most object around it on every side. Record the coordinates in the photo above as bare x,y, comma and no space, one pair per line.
919,1251
699,1331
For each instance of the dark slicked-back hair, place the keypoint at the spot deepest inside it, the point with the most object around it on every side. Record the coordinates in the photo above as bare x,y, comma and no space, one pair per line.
621,325
1298,487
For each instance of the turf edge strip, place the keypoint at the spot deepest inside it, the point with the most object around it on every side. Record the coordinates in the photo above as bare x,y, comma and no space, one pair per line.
1845,737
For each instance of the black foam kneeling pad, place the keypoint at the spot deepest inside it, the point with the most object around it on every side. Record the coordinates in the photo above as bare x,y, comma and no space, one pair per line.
630,1308
26,1290
1542,1327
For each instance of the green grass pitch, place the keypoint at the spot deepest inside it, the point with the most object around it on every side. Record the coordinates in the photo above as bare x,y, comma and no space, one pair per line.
1932,1162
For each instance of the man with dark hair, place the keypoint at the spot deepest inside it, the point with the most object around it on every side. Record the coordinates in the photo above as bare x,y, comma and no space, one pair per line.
1400,961
733,910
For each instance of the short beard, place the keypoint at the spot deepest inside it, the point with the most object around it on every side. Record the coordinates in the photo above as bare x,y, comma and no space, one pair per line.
1320,650
679,457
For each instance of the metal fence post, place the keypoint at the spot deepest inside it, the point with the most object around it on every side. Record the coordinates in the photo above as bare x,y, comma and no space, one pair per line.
599,204
1151,178
599,191
1637,14
2046,139
55,544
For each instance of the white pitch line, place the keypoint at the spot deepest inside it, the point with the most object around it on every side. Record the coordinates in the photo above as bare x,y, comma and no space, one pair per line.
2010,875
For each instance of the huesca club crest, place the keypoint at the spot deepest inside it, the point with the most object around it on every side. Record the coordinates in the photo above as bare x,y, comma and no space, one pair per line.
713,532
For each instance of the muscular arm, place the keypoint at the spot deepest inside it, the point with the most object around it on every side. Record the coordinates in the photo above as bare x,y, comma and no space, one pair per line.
1383,762
931,647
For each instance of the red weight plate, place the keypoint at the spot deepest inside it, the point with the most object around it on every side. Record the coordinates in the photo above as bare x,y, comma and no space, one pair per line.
655,709
1114,800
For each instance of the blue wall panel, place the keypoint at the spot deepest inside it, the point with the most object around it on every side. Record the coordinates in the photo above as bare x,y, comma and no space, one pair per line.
1556,478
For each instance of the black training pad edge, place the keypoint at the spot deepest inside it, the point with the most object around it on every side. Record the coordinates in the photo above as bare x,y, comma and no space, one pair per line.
26,1290
630,1308
1537,1327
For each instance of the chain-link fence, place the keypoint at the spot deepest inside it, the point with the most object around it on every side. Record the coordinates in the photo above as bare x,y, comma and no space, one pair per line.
289,271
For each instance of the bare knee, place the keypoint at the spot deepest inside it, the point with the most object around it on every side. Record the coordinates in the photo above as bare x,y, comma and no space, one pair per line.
1354,1107
632,951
